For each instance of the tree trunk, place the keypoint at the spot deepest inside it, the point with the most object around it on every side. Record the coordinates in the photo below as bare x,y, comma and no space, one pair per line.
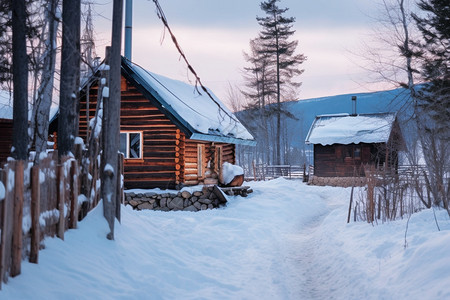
41,109
111,125
70,77
20,80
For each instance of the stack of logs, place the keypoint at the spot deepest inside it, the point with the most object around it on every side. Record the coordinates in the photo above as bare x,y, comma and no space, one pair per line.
208,198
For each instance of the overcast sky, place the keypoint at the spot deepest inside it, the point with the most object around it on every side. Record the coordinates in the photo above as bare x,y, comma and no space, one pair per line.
214,34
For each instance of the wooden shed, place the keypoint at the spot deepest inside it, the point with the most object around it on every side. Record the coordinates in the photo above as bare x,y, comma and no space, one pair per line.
170,133
344,144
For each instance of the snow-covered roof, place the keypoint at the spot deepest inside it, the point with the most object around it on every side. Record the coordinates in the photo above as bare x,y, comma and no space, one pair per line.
348,129
205,118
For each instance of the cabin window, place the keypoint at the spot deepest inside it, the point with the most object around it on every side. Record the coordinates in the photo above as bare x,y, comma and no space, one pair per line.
357,152
131,145
200,158
218,159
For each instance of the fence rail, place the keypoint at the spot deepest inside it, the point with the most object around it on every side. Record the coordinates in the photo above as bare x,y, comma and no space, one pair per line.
266,172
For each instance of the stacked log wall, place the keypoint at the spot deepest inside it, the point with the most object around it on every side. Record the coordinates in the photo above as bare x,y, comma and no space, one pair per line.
169,157
161,138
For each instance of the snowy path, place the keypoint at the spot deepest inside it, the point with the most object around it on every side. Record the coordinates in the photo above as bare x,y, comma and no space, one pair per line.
287,240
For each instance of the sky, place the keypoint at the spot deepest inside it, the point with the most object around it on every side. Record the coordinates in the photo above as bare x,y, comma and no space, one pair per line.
214,34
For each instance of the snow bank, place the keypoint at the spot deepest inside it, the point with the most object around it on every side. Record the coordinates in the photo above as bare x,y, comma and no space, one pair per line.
286,240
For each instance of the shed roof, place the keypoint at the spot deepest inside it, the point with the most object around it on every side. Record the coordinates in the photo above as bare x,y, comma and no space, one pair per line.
349,129
202,117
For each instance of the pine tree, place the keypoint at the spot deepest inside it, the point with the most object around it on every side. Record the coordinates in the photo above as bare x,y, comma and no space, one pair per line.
275,37
434,52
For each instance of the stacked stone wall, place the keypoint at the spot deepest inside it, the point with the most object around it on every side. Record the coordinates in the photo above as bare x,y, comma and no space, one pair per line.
186,201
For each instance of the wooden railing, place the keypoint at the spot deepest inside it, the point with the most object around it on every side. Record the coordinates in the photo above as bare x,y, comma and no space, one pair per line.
266,172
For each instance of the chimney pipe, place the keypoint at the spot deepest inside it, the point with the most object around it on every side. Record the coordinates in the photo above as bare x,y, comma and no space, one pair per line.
128,27
354,106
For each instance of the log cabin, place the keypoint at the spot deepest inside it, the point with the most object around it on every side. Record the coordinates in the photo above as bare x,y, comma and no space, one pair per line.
344,144
171,134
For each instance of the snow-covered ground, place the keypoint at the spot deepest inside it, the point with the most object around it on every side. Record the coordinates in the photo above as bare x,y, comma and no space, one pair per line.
287,240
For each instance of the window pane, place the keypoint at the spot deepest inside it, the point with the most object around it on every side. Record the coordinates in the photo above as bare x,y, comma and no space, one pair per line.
135,145
123,144
357,152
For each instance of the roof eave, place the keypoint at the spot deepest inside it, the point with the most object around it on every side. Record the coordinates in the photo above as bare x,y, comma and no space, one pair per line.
221,139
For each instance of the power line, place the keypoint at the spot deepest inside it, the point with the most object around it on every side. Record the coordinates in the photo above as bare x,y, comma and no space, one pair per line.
163,18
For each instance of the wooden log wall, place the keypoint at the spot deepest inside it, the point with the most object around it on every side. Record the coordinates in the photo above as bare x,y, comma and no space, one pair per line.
169,158
161,138
340,161
189,176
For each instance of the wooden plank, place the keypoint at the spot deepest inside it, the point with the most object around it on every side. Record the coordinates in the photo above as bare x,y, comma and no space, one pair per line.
60,200
35,214
18,216
73,180
5,217
8,221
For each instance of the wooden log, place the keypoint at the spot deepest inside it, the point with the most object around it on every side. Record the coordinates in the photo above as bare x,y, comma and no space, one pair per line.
73,196
60,200
35,214
18,215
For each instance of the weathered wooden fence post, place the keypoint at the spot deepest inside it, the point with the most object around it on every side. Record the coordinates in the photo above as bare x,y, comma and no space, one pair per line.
73,217
18,215
35,213
119,185
60,182
7,225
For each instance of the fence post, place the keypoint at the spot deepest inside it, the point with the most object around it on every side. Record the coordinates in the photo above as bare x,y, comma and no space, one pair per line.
60,185
35,213
18,215
7,226
73,194
3,228
119,185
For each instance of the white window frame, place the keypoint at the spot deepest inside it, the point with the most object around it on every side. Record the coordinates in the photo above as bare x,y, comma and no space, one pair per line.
141,141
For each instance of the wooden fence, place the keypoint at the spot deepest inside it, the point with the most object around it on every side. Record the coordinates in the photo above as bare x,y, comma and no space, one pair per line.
39,201
267,172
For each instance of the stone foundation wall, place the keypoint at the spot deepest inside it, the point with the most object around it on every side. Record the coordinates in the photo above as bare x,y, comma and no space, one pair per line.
337,181
186,201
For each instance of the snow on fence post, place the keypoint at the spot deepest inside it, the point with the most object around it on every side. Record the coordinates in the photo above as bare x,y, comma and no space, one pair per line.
60,186
18,215
73,194
35,213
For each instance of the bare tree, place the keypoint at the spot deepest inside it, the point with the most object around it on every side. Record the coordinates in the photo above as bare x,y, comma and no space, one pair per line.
70,77
20,79
41,108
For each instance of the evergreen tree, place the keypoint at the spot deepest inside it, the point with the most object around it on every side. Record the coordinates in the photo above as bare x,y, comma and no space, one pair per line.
276,44
434,52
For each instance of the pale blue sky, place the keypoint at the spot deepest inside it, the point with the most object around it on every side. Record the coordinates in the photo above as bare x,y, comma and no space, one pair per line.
214,33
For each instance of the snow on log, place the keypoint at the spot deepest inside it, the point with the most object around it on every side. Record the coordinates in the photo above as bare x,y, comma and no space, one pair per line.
231,175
